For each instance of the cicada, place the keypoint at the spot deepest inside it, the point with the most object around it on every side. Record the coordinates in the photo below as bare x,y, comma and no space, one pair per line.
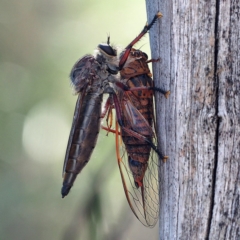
137,152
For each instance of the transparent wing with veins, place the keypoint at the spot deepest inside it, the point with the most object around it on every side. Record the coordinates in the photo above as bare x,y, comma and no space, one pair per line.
143,200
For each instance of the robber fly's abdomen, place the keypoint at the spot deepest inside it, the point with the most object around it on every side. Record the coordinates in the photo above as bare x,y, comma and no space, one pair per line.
83,137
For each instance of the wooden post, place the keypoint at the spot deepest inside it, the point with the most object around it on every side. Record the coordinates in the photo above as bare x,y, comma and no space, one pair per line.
199,125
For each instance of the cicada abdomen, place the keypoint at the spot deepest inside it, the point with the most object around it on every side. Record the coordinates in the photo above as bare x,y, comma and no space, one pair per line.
135,74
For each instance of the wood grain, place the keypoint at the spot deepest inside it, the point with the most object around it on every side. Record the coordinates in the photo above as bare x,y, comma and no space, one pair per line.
199,125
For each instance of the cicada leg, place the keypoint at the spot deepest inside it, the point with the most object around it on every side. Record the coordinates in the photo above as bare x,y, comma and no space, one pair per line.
153,60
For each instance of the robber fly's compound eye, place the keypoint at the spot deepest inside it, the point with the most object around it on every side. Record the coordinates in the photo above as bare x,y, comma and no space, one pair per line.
107,49
145,55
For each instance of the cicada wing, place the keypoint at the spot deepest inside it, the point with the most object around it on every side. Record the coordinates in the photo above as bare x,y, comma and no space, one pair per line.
151,188
143,200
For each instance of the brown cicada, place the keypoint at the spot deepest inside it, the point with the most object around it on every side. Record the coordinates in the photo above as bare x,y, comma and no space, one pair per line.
137,152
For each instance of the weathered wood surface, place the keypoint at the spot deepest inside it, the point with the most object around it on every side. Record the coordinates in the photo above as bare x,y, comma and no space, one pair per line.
199,125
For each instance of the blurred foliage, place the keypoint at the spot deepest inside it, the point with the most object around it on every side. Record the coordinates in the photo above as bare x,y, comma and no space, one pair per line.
40,42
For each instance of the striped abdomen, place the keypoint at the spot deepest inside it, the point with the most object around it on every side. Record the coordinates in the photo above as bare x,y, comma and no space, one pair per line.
138,150
82,139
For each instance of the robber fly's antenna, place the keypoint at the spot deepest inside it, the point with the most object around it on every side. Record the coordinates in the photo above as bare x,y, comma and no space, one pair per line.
108,39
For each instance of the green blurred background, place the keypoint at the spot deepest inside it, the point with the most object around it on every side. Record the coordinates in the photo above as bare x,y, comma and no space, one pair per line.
40,42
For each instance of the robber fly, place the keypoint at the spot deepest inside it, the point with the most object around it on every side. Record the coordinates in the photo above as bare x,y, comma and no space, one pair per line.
90,77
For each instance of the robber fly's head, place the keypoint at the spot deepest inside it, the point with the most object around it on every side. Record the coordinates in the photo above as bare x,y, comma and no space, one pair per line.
108,55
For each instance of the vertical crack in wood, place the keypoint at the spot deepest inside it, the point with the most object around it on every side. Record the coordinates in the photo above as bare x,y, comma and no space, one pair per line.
216,48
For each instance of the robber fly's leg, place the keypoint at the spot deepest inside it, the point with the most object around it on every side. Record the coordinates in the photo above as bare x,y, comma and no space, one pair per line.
110,130
148,141
144,31
133,133
108,110
109,116
126,88
106,107
165,93
144,139
130,45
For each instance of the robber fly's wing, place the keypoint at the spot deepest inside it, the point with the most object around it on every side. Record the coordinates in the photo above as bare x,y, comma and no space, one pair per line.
81,76
143,200
73,129
82,72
